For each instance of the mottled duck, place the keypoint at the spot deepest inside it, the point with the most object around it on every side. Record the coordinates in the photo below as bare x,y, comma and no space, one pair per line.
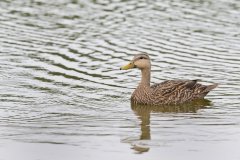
166,93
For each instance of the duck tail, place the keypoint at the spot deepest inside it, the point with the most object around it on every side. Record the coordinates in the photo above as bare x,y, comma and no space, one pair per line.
206,90
210,87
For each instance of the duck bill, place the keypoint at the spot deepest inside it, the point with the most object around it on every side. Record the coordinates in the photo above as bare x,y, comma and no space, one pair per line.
130,65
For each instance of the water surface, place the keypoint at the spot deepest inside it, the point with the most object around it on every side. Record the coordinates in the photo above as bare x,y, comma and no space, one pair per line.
64,97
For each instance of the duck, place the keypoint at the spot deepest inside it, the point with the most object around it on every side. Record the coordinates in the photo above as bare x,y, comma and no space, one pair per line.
169,92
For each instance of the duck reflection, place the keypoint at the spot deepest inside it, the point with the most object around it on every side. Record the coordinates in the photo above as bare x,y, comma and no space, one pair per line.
143,112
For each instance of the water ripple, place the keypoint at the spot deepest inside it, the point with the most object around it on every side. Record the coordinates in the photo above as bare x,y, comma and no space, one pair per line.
60,77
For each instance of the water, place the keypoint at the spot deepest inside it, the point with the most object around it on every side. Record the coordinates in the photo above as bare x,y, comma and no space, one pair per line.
64,97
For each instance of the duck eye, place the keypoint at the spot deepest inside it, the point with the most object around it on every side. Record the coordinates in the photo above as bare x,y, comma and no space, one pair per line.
141,58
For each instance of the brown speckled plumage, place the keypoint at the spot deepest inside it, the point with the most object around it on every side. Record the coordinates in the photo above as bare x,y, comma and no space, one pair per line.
167,92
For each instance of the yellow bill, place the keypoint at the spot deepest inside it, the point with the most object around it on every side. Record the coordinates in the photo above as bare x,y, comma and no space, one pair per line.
128,66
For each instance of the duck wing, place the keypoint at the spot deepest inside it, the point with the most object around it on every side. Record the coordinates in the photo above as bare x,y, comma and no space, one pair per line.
179,91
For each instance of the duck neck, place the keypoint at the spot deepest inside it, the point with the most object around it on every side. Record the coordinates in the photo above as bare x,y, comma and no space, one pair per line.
146,75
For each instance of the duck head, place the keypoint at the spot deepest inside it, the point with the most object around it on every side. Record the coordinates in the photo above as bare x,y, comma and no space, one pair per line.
140,61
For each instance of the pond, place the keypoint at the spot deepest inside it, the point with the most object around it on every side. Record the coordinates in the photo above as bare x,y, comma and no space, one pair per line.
64,97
